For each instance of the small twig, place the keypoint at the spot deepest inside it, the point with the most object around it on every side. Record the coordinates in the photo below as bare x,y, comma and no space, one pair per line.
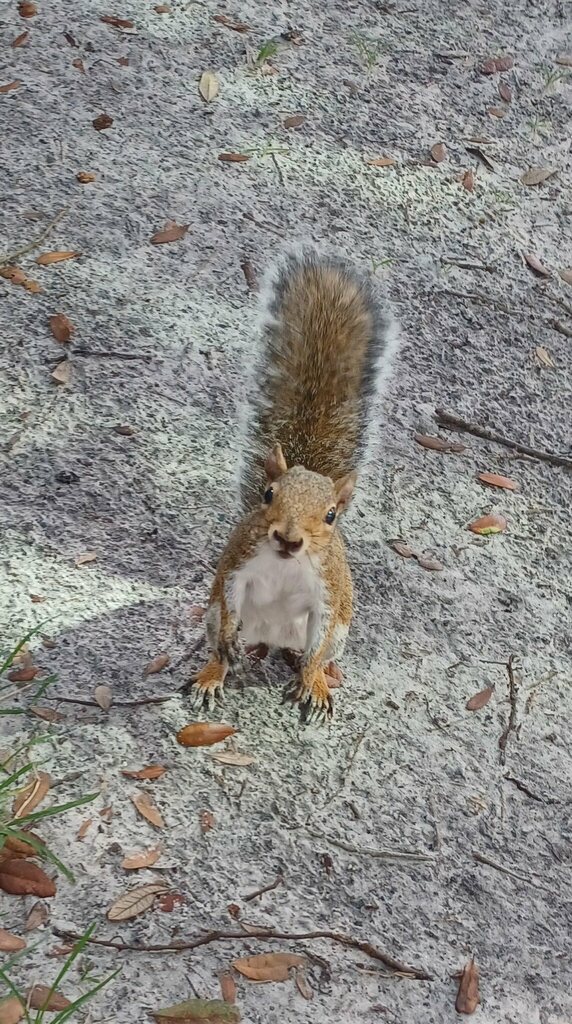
160,699
274,159
512,696
436,825
523,788
33,245
102,354
279,880
366,851
448,419
264,224
482,859
218,936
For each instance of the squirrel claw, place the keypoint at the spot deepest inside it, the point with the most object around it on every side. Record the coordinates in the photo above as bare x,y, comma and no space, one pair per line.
316,705
207,688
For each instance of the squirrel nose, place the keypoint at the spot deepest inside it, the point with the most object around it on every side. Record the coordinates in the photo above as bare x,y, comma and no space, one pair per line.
287,545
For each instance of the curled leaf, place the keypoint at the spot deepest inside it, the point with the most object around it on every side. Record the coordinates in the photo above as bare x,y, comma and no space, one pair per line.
47,714
23,675
234,758
480,699
85,558
46,258
566,275
227,987
429,563
208,86
103,696
84,829
143,859
487,525
85,177
468,181
61,328
110,19
20,40
236,26
10,943
147,808
22,878
468,996
31,796
505,92
158,663
172,234
9,86
198,1011
268,966
135,902
401,548
62,372
536,175
544,357
38,916
535,264
302,984
151,771
204,734
439,444
41,997
494,480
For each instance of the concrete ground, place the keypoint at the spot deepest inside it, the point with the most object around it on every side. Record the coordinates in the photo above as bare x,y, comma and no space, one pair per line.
163,334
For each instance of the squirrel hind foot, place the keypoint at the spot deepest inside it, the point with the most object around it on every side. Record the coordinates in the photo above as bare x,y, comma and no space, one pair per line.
315,702
206,689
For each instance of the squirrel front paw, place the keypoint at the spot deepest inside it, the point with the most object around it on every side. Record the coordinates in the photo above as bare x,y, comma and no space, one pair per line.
313,696
207,687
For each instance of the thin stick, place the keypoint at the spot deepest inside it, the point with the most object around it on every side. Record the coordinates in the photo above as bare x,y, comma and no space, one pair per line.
33,245
266,888
218,936
512,696
482,859
366,851
161,699
448,419
102,354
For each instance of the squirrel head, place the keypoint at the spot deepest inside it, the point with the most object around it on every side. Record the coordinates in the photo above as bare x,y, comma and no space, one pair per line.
301,508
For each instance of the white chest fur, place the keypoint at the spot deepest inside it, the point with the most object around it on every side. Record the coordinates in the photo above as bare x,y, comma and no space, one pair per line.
273,597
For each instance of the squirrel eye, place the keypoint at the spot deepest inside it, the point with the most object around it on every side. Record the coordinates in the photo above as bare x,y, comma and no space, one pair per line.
331,516
268,496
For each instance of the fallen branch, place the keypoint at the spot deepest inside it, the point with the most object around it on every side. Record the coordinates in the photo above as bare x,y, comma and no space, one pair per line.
512,696
265,888
33,245
447,419
160,699
396,966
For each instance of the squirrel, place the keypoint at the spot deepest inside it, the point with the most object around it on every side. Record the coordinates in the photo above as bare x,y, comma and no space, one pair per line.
283,579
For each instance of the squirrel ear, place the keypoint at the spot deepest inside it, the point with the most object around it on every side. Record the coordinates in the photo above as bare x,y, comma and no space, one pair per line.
275,464
344,489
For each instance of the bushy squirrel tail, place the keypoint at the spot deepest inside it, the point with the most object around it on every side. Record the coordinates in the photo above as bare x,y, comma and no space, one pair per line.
327,348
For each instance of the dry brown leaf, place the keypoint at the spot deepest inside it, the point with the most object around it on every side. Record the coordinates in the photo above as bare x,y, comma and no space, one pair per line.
11,1010
497,111
565,59
124,430
143,859
206,821
480,699
10,943
505,92
294,121
14,847
124,61
110,19
227,986
103,696
495,64
135,902
468,996
10,86
62,372
438,152
37,599
78,63
494,480
23,675
439,444
429,563
13,274
233,758
22,878
38,916
61,328
268,966
197,613
401,548
236,26
32,286
162,9
535,264
47,714
106,813
198,1011
31,796
203,734
488,524
102,121
20,40
85,177
381,161
302,984
84,828
46,258
151,771
233,158
147,808
172,234
41,997
544,357
85,558
26,9
208,86
536,175
157,664
566,275
468,180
